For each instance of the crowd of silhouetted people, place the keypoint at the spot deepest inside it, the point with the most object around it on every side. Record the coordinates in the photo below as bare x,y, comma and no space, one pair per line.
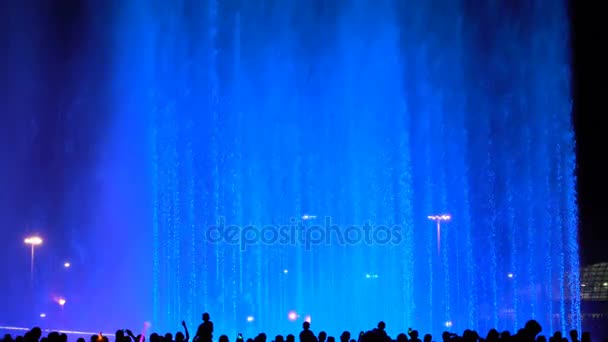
531,332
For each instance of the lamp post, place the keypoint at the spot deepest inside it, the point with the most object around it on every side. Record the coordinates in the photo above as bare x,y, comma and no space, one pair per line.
438,219
33,241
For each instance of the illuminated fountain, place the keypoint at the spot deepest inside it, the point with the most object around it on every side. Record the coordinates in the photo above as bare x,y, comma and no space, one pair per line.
306,113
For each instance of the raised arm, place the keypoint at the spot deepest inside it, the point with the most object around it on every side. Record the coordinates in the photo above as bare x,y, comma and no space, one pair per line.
186,331
130,334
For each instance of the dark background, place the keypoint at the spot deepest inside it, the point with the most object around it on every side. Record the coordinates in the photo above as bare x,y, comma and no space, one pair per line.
590,97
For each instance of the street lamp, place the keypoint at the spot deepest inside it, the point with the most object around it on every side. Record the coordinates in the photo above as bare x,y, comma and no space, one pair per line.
33,241
438,219
61,302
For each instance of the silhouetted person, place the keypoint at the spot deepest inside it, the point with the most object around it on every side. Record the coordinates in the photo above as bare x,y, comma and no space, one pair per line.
224,338
557,336
530,331
574,336
80,339
34,334
380,334
307,335
322,336
119,336
469,336
290,338
179,336
586,337
331,339
168,337
205,330
492,336
401,338
427,338
279,338
345,337
414,336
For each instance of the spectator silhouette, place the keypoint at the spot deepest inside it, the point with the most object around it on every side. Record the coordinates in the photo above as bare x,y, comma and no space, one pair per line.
531,330
345,337
179,336
290,338
205,330
307,335
493,336
414,336
322,336
379,333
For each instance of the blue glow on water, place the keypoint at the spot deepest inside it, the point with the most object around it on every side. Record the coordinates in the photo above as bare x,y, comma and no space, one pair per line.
257,113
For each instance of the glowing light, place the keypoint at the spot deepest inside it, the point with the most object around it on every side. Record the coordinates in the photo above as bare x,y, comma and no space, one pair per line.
33,240
292,315
371,276
510,275
66,265
250,319
308,217
443,217
448,324
285,271
61,301
583,285
307,318
605,284
439,219
42,315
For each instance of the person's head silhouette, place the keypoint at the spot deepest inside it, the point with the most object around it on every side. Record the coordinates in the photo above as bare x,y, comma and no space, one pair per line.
206,317
306,325
381,325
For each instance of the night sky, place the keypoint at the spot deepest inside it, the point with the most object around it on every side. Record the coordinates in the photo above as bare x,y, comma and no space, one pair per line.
68,40
590,91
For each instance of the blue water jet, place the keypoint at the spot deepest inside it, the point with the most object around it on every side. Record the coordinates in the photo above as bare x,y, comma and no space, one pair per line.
356,112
